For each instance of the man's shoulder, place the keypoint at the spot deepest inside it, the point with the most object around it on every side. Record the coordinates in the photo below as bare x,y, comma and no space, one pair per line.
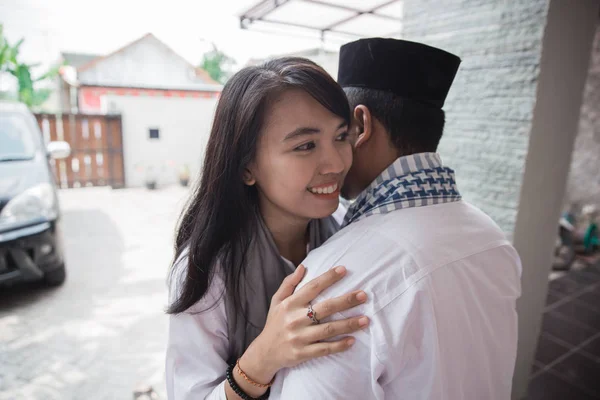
387,253
372,260
353,239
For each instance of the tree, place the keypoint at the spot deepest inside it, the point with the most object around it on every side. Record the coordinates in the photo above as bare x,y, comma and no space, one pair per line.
218,64
9,62
7,52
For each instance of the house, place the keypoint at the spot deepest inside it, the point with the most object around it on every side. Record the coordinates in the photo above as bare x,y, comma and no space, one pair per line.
145,67
166,105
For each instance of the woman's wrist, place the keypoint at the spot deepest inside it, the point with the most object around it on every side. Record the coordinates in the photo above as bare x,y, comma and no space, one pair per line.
242,390
256,364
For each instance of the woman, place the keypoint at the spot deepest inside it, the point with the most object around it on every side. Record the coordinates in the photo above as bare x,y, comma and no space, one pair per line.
276,158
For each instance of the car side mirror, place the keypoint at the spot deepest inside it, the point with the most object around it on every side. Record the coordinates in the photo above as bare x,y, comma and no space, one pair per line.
59,150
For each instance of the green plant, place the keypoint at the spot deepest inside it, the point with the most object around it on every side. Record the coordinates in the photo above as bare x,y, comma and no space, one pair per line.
26,85
218,64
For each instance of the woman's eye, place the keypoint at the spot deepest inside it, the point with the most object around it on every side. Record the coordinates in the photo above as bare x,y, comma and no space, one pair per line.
343,136
305,147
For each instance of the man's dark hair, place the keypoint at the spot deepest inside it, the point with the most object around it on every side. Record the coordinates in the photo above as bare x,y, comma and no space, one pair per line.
414,127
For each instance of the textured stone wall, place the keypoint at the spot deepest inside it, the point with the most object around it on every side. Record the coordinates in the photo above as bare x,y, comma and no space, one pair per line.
583,186
490,106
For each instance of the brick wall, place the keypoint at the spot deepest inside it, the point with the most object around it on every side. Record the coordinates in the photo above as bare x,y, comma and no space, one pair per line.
583,186
489,108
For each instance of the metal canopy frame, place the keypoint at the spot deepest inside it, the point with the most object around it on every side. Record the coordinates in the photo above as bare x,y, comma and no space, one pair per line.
263,13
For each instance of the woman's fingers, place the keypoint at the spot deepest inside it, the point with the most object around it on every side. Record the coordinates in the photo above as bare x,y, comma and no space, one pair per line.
323,349
313,288
289,284
329,307
328,330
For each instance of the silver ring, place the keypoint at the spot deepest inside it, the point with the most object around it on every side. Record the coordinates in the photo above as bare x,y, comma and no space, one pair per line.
312,315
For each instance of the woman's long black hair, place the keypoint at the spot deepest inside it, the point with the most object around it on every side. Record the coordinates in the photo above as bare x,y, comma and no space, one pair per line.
221,216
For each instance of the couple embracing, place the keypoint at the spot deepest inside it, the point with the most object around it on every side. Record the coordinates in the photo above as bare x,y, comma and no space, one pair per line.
280,291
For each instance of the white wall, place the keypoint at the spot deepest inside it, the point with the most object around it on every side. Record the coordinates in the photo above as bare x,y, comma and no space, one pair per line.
184,125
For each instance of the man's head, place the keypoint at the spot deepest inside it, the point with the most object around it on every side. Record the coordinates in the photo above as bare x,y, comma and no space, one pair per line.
396,90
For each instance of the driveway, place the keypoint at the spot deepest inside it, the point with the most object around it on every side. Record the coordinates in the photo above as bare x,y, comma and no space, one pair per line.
104,331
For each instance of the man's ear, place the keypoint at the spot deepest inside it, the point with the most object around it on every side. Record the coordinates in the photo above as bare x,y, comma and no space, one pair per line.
364,122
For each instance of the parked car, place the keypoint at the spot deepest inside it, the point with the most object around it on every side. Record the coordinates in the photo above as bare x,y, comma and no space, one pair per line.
30,235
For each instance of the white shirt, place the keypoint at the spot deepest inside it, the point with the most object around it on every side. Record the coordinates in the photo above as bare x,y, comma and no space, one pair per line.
442,282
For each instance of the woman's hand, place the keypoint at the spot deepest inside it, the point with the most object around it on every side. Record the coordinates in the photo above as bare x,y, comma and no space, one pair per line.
290,337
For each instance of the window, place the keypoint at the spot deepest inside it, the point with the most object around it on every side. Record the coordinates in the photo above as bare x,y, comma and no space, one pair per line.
17,137
154,133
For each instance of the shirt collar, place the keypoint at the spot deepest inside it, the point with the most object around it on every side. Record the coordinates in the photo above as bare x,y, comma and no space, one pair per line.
406,165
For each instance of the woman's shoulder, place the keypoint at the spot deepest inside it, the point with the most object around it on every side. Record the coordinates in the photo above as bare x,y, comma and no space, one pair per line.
179,276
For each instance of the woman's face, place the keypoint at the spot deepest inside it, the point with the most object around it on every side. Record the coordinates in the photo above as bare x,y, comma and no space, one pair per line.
302,157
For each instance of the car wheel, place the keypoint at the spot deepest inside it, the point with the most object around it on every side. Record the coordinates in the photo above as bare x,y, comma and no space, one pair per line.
56,277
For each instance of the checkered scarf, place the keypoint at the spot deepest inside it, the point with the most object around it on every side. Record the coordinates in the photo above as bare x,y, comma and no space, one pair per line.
411,181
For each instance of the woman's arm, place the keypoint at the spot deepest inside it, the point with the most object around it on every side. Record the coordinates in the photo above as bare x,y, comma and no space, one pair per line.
198,343
290,338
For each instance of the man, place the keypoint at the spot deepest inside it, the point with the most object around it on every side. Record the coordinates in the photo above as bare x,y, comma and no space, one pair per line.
441,277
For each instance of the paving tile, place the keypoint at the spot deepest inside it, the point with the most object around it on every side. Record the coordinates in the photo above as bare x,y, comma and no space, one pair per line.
593,347
548,386
564,329
565,286
581,313
592,298
553,297
549,350
584,277
580,371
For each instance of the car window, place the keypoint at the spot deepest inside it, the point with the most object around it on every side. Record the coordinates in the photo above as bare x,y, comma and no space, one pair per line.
17,140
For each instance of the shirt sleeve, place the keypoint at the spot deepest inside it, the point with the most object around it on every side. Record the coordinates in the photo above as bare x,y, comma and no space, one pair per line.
197,348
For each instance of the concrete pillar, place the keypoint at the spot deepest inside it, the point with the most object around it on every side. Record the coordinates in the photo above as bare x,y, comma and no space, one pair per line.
566,47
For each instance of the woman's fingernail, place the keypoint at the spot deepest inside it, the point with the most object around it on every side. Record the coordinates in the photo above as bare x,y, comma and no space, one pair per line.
350,341
361,296
364,321
340,270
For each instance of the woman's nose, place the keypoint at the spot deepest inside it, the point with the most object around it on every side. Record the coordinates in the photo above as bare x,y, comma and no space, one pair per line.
332,161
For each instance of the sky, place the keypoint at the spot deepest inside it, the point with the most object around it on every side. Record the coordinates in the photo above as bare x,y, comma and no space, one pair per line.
99,27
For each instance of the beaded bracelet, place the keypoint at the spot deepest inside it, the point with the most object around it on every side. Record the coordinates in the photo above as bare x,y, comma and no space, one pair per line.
237,390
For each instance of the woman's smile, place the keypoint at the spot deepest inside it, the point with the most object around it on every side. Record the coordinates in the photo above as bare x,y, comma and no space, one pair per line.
325,191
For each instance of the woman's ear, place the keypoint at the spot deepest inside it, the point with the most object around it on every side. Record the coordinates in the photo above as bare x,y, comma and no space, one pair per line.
248,177
364,122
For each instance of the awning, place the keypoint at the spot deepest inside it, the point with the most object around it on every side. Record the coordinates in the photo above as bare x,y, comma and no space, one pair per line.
343,19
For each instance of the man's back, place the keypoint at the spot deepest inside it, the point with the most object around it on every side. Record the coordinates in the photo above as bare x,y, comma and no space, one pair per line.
442,282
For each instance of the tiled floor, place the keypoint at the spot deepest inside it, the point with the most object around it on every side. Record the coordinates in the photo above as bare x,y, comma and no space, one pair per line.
567,364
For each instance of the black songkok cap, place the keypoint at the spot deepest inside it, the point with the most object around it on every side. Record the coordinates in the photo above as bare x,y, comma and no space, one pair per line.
410,70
